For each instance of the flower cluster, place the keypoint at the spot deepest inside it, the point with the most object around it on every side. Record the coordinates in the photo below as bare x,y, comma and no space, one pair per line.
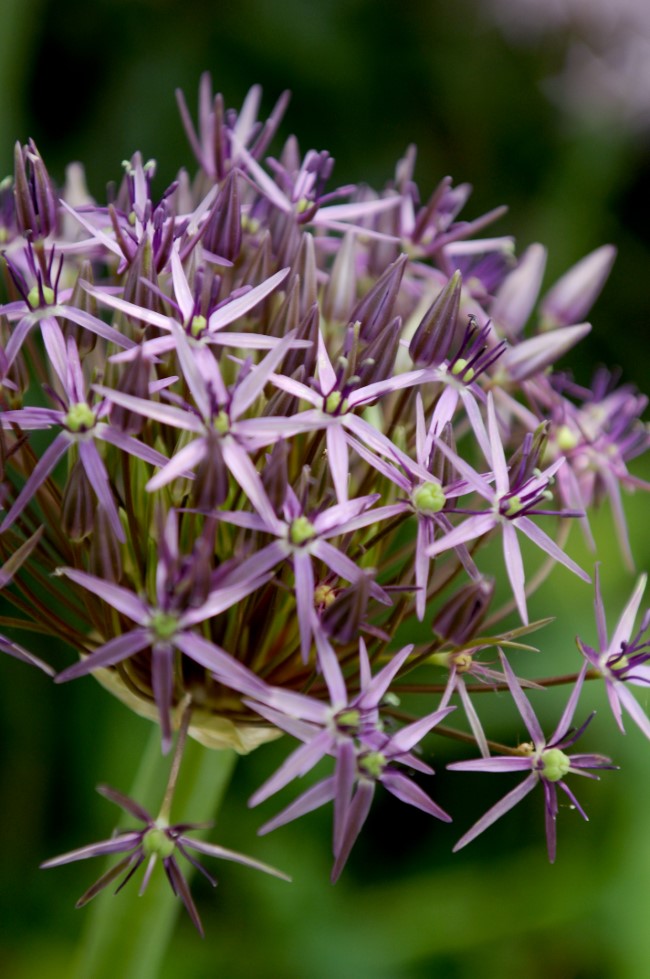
284,421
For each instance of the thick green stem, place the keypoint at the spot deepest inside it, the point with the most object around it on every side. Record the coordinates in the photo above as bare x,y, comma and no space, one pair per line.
127,935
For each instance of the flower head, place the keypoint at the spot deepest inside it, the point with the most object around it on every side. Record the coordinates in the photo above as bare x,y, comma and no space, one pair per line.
545,759
624,658
156,841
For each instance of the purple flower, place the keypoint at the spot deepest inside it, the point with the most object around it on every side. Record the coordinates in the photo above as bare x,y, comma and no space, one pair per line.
351,730
335,399
166,626
302,536
156,841
202,326
42,302
214,418
623,659
514,496
82,423
426,498
545,760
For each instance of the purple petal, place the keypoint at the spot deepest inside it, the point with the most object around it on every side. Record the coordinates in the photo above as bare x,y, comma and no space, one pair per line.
500,809
227,670
181,464
299,762
344,779
166,414
475,526
407,791
98,479
120,598
567,715
247,476
304,586
633,709
339,464
118,844
124,802
89,322
130,445
371,695
112,652
497,456
18,652
515,568
221,853
523,706
253,384
356,815
413,733
547,544
239,307
625,624
313,798
346,568
37,477
329,666
179,887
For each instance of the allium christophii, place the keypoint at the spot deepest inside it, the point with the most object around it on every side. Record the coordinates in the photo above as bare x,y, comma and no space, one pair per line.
283,420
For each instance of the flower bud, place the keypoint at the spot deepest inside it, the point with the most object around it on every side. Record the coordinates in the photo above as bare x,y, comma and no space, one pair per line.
222,231
375,310
36,202
432,339
573,295
461,616
517,295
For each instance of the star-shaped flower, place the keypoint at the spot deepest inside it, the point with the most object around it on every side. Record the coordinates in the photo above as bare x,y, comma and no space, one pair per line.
623,659
545,760
157,840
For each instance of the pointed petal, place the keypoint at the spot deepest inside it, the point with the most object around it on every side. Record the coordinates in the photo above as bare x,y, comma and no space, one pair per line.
500,809
36,478
515,568
523,706
120,598
112,652
547,544
236,308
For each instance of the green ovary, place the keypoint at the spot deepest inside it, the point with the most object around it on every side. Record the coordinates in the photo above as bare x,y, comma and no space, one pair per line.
301,530
555,764
80,418
566,439
198,325
221,423
429,498
163,626
348,720
513,507
34,296
460,369
156,842
372,764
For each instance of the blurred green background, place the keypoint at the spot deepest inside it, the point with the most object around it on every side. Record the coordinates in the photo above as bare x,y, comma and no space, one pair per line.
96,82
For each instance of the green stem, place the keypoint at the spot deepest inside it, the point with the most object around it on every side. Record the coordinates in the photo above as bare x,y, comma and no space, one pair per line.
127,935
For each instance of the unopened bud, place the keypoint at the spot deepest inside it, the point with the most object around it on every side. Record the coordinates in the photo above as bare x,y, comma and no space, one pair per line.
461,616
432,339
